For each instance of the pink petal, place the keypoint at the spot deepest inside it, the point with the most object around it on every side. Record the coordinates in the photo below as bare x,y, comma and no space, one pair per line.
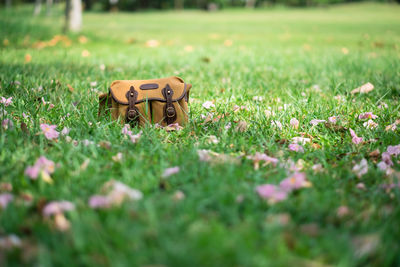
170,171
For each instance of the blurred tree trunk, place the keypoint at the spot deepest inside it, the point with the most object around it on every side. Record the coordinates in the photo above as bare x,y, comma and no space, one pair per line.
73,15
250,3
178,4
8,3
38,7
49,4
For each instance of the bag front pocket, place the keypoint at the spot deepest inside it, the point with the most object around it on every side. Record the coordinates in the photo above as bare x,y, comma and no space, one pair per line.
159,113
119,111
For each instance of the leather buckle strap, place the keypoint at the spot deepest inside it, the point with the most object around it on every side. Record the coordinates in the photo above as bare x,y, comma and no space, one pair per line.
169,108
132,113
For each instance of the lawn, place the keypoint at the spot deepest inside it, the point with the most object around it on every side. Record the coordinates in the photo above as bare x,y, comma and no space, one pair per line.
261,70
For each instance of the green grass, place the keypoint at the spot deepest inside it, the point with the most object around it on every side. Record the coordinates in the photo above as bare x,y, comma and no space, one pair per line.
276,54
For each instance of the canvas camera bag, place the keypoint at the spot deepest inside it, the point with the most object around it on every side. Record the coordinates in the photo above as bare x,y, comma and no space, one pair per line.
137,102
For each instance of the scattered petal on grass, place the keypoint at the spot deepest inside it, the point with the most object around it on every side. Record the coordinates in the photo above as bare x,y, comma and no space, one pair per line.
333,119
49,131
118,157
301,140
392,127
370,124
213,157
6,187
241,126
61,223
258,157
269,113
212,139
294,123
126,130
57,207
170,171
365,245
363,89
367,115
65,131
355,139
204,155
6,101
42,166
382,166
99,201
317,168
237,108
394,150
258,98
7,124
117,193
342,211
383,105
361,186
28,58
135,137
152,43
272,193
296,181
85,53
10,242
315,122
87,142
296,148
178,196
387,158
5,199
173,127
361,168
208,105
277,124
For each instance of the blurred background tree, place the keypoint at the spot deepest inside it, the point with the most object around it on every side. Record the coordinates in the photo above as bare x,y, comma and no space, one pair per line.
134,5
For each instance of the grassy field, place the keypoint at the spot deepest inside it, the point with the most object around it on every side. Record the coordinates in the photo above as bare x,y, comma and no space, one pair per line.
277,65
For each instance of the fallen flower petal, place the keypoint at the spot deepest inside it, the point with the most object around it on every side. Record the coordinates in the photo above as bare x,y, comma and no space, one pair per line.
170,171
7,123
49,131
393,150
332,119
301,140
296,148
99,201
271,192
370,124
55,207
342,211
355,139
315,122
294,123
365,88
361,168
173,127
208,105
65,131
277,124
5,199
367,115
6,101
296,181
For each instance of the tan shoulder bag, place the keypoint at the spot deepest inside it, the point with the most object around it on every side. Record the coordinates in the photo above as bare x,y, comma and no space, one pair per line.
137,102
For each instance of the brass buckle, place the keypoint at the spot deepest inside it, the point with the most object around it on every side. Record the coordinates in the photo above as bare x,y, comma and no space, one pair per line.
132,114
170,112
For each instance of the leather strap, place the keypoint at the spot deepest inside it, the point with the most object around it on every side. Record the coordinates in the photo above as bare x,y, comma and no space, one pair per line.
132,113
169,108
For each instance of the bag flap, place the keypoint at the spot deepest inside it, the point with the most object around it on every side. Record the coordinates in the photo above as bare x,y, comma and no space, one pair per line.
149,90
